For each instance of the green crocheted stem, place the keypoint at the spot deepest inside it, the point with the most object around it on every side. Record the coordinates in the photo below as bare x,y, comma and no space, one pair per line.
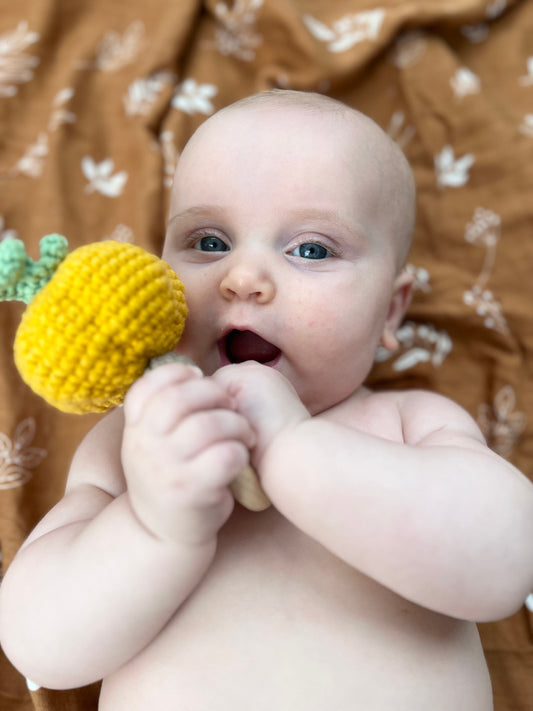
20,277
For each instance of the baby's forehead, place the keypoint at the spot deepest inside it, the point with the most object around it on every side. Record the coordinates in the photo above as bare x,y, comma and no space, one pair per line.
291,134
293,121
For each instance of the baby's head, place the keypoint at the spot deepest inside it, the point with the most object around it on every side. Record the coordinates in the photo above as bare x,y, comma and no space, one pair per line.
291,217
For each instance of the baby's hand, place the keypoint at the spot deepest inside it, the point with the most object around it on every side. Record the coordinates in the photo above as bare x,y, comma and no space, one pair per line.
266,398
183,444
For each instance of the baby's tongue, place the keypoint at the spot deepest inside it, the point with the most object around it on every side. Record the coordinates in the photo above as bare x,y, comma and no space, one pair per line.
245,345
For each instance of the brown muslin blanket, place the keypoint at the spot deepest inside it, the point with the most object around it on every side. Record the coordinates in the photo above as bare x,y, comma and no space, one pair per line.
97,98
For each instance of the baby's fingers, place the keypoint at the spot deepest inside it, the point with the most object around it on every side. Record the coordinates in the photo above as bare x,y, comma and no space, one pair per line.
165,403
218,466
205,429
152,383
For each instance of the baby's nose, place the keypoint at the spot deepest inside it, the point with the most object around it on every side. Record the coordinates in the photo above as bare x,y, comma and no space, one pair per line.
248,281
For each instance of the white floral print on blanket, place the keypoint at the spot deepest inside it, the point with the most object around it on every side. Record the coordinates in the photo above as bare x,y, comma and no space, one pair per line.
399,130
17,456
193,98
31,163
495,8
501,424
348,31
116,50
419,343
101,178
484,231
16,67
409,48
236,30
477,33
464,83
143,93
527,80
526,127
452,172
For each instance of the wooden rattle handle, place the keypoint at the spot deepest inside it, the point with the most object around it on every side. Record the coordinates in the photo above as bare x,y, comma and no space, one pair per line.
248,491
246,488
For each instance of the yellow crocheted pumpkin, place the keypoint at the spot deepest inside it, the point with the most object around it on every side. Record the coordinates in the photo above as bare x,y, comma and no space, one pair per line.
95,320
90,332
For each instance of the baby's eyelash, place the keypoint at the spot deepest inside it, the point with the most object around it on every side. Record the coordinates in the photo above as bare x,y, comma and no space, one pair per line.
194,237
325,244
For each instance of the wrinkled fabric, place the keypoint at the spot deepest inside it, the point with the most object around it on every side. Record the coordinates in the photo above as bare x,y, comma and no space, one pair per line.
98,97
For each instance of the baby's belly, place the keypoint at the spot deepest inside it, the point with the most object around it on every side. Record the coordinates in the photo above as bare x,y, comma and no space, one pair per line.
279,624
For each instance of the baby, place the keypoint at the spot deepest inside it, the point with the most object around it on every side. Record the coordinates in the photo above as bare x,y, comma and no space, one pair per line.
393,527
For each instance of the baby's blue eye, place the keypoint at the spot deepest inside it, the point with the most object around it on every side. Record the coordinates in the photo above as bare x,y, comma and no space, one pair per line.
311,250
211,244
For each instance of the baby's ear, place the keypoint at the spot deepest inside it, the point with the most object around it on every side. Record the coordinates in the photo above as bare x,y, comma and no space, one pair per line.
400,300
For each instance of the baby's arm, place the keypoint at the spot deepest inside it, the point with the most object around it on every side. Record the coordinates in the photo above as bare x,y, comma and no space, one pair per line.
107,568
440,519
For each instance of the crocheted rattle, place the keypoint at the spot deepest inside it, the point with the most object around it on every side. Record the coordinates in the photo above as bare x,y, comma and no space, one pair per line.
95,320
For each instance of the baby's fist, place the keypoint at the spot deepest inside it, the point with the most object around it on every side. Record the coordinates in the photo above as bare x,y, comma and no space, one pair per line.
266,398
183,444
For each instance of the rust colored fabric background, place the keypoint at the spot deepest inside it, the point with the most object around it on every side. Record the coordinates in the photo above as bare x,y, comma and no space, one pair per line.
97,98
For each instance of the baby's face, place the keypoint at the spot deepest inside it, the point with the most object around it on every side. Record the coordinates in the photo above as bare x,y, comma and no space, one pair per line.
278,233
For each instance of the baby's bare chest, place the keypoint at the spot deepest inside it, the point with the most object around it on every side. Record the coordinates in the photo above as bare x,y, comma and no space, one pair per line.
280,623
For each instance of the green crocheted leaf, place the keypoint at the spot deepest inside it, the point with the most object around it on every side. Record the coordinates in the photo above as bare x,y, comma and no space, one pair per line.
20,277
12,263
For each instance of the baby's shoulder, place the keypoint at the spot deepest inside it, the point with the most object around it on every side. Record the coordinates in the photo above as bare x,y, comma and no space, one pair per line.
428,417
411,416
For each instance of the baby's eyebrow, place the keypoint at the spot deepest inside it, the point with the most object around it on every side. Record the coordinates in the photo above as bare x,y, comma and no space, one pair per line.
329,216
196,211
319,214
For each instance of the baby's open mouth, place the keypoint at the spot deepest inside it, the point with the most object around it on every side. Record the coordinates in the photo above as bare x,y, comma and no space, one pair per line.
247,345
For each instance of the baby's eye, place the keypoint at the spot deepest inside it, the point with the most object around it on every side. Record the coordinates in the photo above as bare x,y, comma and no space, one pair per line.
311,250
210,243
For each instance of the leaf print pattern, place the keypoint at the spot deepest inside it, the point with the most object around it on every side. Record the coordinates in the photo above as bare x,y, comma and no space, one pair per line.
16,67
121,233
348,31
170,156
526,127
193,98
60,115
399,131
495,8
421,343
101,178
31,164
527,80
143,93
409,48
476,33
116,51
465,82
484,231
452,172
421,278
236,33
501,424
17,457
